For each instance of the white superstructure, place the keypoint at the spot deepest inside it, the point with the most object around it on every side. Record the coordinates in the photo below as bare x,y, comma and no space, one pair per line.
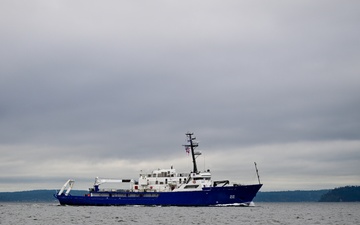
162,180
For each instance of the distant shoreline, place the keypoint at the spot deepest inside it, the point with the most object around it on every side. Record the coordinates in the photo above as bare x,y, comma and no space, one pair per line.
342,194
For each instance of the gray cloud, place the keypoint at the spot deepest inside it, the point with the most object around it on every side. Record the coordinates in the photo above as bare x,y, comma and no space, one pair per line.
122,82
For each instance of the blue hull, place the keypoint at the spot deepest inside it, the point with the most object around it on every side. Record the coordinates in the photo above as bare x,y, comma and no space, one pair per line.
208,196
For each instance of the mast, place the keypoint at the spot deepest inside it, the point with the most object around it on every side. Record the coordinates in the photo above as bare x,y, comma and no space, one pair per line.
192,145
257,172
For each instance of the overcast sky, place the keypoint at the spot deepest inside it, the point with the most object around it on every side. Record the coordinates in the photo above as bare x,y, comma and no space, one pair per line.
109,88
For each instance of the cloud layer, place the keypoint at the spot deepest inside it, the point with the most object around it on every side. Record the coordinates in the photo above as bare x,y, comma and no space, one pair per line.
90,89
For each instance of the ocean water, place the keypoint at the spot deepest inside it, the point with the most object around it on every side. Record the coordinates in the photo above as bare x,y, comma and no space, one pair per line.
261,213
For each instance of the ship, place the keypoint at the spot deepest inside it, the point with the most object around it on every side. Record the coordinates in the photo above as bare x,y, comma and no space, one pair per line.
165,187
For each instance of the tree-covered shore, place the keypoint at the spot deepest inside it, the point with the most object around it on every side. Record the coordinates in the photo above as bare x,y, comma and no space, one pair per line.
341,194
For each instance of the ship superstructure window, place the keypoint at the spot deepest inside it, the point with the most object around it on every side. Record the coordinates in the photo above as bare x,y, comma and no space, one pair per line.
201,178
191,186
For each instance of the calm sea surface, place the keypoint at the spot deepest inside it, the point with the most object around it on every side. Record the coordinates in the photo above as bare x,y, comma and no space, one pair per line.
261,213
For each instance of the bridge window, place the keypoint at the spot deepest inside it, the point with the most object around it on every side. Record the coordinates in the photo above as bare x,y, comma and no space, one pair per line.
191,186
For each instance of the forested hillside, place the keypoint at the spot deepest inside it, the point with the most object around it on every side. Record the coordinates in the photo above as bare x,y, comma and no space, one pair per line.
290,196
342,194
32,196
345,194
